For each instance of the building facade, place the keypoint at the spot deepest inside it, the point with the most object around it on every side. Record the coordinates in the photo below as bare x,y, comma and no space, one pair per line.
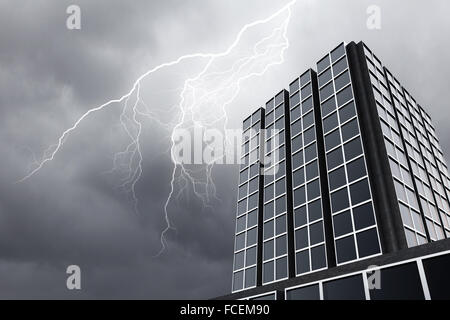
342,170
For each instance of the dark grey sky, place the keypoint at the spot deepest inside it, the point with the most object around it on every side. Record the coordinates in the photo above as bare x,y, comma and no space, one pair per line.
72,213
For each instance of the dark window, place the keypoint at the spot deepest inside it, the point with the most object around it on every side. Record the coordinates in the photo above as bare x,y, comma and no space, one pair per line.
240,241
280,205
299,177
250,258
337,53
368,243
356,169
268,250
251,236
342,224
332,140
295,99
297,160
240,224
295,113
325,77
238,280
337,178
339,200
352,149
342,81
315,210
252,218
270,105
279,98
239,260
269,210
347,112
326,91
296,128
280,225
318,258
268,192
306,91
310,135
299,196
399,283
313,189
310,152
250,277
316,233
344,96
339,66
268,271
268,230
280,187
297,143
280,246
308,120
312,170
294,86
438,277
351,288
349,130
363,216
334,158
253,201
300,216
328,107
307,105
360,191
301,238
304,293
302,261
305,78
323,64
281,268
345,249
330,123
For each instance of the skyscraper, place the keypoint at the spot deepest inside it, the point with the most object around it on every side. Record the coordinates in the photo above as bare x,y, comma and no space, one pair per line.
342,177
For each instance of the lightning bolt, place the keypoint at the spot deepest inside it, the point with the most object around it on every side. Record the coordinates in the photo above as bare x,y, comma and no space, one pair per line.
203,103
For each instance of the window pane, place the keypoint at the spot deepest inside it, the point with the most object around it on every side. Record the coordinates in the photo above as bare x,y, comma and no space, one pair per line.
312,170
313,189
302,261
345,249
339,200
347,112
304,293
368,243
360,191
349,130
318,258
438,277
281,268
351,288
337,178
316,233
268,250
342,224
334,158
332,140
356,169
328,107
280,247
250,277
250,258
239,260
342,81
339,66
238,280
399,283
315,210
330,122
299,196
268,270
301,238
363,216
300,216
344,96
352,149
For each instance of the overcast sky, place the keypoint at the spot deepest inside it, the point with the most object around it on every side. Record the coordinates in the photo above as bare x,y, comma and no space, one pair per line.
71,212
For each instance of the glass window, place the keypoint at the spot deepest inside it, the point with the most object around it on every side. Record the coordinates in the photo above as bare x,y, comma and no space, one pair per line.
345,249
328,106
342,81
240,241
294,86
344,96
337,178
360,191
268,270
239,260
305,78
252,219
323,64
332,140
334,158
330,122
268,250
295,99
352,149
253,201
296,128
280,225
250,258
349,130
309,135
368,243
250,277
301,238
280,205
281,268
337,53
315,210
295,113
347,112
281,246
308,120
339,66
356,169
363,216
307,105
280,187
302,261
297,143
251,237
310,152
399,283
299,196
339,200
316,233
304,293
300,216
326,91
268,230
318,258
342,224
268,192
350,288
438,277
299,177
313,189
240,224
325,77
306,91
269,210
238,280
312,170
297,160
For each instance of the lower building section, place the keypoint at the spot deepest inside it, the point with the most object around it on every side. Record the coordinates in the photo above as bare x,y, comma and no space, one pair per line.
418,273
